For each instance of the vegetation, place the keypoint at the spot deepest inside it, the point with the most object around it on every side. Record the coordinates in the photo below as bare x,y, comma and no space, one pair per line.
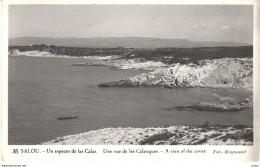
156,137
186,55
166,55
72,51
246,135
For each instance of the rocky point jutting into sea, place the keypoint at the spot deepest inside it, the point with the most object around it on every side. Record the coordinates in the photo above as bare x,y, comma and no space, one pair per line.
230,73
216,73
226,72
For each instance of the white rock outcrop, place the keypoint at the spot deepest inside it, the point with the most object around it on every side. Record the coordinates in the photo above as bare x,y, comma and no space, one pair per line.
226,72
149,65
36,53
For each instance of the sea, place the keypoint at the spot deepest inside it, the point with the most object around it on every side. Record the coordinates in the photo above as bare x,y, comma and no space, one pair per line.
42,89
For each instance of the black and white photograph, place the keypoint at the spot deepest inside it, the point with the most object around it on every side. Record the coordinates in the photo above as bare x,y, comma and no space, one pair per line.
150,74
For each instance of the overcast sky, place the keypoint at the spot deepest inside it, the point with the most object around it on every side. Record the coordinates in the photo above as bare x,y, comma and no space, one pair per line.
230,23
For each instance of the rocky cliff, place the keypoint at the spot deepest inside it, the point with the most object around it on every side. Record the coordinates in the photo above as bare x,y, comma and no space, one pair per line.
226,72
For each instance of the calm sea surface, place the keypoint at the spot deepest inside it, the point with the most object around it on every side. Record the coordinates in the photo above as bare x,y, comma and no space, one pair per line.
43,89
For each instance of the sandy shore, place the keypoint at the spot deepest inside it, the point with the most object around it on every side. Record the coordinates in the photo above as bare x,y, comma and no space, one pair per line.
173,135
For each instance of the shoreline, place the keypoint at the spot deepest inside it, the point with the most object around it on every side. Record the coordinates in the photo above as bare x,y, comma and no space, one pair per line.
218,73
114,61
206,74
171,135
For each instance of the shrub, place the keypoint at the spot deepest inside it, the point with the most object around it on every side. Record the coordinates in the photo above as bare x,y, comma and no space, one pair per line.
161,136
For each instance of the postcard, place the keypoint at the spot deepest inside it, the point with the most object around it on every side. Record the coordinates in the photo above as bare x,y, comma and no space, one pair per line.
130,81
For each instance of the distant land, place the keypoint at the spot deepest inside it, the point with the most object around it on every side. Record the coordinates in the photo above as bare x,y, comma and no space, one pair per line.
114,42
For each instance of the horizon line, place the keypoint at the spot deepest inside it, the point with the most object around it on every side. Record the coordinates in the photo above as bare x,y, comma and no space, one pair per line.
131,37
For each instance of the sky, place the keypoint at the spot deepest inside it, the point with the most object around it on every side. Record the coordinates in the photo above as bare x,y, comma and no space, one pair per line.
227,23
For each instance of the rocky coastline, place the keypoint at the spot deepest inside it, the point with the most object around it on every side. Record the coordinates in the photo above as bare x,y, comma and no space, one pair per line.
213,73
216,73
223,106
170,135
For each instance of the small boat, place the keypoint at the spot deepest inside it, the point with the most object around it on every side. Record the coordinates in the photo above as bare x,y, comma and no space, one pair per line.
69,117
